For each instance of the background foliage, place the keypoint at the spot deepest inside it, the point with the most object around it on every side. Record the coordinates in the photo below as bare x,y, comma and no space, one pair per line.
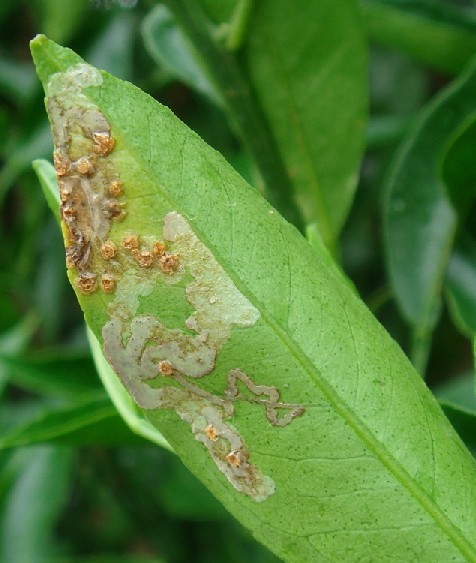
75,481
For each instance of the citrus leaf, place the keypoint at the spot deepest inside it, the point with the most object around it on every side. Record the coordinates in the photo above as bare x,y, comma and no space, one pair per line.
34,504
89,421
436,33
167,45
420,221
461,288
308,68
256,361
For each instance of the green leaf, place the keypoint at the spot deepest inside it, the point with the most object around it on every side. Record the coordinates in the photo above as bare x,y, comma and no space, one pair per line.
167,46
89,420
463,421
56,372
33,505
436,33
458,400
420,222
20,154
15,341
47,176
256,361
308,69
461,287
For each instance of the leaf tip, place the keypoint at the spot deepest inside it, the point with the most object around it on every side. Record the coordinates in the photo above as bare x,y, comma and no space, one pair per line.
49,57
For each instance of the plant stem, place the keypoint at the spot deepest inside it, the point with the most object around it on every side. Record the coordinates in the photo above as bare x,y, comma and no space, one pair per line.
243,109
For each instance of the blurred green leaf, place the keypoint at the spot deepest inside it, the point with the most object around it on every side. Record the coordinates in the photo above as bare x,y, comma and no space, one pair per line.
458,169
114,47
420,223
13,342
47,176
382,437
183,496
459,391
461,287
17,80
464,422
20,154
458,400
33,506
308,69
439,34
89,420
60,21
55,372
168,47
313,98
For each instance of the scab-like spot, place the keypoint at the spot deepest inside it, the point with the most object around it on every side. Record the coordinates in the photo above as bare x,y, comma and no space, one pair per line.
108,283
114,210
115,188
158,248
234,458
130,242
165,368
61,163
103,143
86,283
144,258
211,433
69,213
168,263
88,183
84,166
108,250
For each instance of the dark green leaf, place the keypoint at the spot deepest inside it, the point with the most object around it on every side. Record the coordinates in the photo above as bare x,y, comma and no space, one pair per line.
55,372
436,33
89,421
308,69
167,45
461,287
420,223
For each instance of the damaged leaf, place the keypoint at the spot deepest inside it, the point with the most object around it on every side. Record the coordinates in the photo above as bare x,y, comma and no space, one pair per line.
252,356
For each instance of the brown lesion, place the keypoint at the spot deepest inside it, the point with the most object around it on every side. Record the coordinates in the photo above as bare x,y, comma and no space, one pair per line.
168,263
150,255
86,282
108,283
108,250
89,194
103,143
